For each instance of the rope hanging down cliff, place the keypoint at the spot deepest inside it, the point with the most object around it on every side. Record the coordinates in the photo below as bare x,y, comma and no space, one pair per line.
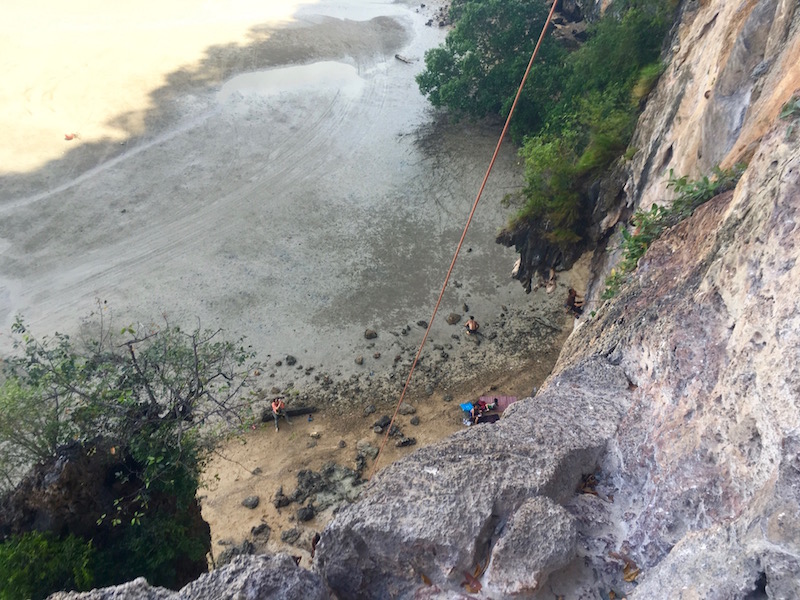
463,235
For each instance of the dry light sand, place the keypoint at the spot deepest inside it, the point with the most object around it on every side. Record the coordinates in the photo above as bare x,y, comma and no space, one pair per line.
263,166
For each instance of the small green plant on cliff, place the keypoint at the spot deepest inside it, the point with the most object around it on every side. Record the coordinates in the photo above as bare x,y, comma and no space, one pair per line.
791,112
646,81
791,109
648,225
142,409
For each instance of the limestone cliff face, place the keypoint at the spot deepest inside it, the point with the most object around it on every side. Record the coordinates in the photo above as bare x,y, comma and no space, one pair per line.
244,578
731,68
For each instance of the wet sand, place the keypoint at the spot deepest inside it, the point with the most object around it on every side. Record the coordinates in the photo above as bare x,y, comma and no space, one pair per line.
276,175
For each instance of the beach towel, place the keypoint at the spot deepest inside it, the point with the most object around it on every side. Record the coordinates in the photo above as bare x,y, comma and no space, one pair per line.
503,402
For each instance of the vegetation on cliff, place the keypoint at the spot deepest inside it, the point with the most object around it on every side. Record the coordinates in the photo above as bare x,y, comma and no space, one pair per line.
649,225
103,442
578,109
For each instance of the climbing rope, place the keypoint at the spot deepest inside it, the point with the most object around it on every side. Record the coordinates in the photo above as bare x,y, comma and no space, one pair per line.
463,235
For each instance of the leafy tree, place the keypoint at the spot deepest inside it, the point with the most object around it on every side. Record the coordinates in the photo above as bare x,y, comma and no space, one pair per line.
147,403
578,109
153,389
477,71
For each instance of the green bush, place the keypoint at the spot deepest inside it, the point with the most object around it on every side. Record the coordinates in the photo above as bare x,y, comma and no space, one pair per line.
549,194
594,116
144,406
151,547
649,225
34,565
584,102
691,194
477,71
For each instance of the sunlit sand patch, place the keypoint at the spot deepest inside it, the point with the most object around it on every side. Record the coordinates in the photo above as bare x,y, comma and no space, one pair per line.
84,71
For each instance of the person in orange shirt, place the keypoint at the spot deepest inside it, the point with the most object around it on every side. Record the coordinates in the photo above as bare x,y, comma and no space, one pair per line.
279,410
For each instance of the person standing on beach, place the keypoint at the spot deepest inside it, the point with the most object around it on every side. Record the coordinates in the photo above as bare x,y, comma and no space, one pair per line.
279,410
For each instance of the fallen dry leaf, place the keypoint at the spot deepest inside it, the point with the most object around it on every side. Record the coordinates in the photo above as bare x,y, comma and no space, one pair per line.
471,584
630,572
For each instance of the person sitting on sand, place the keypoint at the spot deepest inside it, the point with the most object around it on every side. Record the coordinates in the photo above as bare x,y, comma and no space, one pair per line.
478,408
573,304
279,410
481,407
472,326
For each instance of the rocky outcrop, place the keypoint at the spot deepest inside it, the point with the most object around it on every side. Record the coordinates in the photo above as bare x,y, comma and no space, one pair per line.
454,506
251,577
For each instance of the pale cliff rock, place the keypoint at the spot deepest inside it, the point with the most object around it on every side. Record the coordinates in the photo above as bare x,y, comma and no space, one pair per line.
703,468
244,578
515,569
444,510
731,67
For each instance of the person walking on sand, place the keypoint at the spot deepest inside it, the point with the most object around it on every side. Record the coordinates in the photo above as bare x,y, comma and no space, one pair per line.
472,326
279,410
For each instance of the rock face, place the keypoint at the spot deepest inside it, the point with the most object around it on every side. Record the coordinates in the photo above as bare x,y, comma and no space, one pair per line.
722,442
732,66
681,396
251,577
440,513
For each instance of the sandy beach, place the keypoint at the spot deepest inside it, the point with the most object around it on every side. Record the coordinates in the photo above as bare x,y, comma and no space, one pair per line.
269,168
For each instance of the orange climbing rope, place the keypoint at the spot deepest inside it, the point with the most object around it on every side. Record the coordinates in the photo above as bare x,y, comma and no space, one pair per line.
464,235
